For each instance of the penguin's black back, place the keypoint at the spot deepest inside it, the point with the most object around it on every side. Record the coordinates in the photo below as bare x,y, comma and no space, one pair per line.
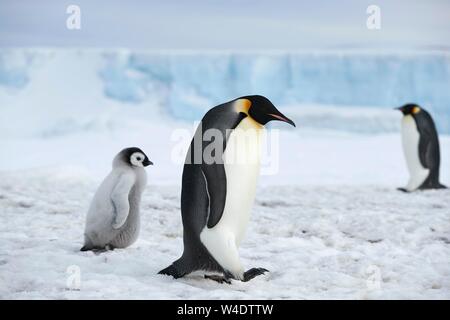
429,152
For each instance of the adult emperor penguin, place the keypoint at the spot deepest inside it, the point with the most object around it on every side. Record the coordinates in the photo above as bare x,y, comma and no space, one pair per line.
217,194
421,148
113,218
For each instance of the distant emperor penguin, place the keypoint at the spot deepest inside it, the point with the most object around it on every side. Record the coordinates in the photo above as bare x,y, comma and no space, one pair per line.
421,148
217,194
113,218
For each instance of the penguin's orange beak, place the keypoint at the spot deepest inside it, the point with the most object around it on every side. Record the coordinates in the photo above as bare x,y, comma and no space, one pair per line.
283,118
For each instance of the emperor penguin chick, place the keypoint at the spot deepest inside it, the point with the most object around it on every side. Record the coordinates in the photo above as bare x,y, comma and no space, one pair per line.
113,218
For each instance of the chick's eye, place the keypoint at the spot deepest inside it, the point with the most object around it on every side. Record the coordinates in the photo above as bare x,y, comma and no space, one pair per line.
138,158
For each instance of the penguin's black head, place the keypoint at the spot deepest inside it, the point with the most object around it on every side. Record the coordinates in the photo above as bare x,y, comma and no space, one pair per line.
261,110
135,157
409,109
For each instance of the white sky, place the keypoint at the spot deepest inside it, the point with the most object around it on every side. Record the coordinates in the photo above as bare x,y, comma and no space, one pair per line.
230,24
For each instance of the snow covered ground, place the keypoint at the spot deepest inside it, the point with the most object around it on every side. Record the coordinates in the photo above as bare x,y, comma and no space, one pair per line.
330,224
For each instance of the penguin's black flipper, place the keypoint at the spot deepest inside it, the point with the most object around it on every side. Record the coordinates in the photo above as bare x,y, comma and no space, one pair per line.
426,152
217,191
214,171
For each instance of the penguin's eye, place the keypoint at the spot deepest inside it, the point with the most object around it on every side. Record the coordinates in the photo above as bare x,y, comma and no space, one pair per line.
138,158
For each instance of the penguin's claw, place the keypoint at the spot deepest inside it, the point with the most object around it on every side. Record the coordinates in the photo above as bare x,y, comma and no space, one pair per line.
217,278
403,190
253,272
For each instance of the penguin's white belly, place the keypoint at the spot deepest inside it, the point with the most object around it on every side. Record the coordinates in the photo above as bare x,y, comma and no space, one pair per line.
242,166
410,139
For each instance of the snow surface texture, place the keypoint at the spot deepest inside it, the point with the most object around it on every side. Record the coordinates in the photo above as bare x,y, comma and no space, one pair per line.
328,224
346,242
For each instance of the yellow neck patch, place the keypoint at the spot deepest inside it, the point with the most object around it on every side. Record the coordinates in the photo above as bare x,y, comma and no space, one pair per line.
242,105
416,110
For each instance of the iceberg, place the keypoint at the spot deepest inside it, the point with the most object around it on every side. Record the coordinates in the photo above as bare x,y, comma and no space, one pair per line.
183,85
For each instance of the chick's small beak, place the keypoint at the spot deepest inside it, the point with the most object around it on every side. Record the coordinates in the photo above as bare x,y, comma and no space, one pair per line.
147,162
282,118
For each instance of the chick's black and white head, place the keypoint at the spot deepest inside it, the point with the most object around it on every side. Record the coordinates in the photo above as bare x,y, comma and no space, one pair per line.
135,157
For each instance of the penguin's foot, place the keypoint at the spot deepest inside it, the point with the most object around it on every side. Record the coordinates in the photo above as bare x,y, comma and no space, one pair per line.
217,278
106,248
253,272
433,186
403,190
96,249
171,271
